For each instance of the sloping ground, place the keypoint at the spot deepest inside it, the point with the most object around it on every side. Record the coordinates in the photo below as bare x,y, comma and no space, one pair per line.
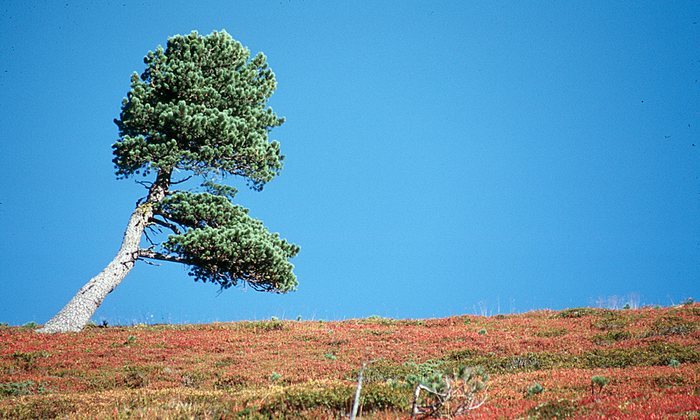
651,357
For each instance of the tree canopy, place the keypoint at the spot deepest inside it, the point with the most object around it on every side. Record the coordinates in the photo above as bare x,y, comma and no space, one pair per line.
201,106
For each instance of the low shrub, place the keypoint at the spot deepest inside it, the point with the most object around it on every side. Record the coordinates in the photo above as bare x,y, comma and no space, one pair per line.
670,325
611,337
552,332
27,360
333,398
535,389
17,388
656,354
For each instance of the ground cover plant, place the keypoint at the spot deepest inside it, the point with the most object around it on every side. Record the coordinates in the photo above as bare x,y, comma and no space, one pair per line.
583,362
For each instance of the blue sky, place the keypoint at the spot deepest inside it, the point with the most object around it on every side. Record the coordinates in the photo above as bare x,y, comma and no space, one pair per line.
442,157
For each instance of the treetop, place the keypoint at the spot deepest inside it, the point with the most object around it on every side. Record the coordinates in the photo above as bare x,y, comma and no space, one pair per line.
200,105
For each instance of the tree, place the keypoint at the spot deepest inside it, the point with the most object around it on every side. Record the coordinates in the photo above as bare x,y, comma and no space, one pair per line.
199,109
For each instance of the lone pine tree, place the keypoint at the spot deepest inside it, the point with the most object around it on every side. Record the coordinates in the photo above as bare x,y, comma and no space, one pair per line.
200,109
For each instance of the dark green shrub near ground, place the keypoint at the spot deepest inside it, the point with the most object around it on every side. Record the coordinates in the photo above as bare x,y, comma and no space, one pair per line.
670,325
9,389
535,389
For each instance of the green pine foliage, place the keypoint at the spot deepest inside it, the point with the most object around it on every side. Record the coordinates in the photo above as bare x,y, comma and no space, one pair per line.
200,107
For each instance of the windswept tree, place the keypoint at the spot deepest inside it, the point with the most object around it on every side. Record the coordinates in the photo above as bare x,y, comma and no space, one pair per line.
198,110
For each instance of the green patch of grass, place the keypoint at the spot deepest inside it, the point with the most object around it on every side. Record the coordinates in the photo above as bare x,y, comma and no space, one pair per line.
670,325
612,321
27,360
462,354
580,312
557,409
333,399
17,388
44,408
136,376
378,320
230,382
552,332
413,322
669,381
611,337
656,354
379,332
271,325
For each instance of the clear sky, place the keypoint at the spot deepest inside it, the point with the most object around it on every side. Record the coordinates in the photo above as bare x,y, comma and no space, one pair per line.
442,157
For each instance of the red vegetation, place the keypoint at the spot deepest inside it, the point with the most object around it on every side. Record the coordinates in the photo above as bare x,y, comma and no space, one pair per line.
651,357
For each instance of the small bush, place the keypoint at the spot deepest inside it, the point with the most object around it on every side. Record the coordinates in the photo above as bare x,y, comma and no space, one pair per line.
17,388
451,394
535,389
598,382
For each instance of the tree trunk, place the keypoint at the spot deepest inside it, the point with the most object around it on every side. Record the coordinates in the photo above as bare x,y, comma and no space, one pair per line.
76,314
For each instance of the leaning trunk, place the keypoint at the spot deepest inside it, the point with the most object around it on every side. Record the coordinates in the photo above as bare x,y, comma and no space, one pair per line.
76,314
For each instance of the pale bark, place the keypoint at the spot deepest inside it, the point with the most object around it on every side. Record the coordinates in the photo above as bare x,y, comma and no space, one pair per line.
76,314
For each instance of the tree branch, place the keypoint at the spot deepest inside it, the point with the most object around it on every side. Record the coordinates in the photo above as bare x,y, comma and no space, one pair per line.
181,181
148,253
166,225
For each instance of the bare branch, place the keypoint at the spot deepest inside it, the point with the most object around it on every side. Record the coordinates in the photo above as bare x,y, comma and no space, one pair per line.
165,224
148,253
148,238
181,181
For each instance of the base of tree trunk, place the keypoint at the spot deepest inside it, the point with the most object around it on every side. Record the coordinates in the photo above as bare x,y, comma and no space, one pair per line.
77,313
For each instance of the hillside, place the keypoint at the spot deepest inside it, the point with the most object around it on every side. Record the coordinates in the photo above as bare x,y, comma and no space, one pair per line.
651,357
